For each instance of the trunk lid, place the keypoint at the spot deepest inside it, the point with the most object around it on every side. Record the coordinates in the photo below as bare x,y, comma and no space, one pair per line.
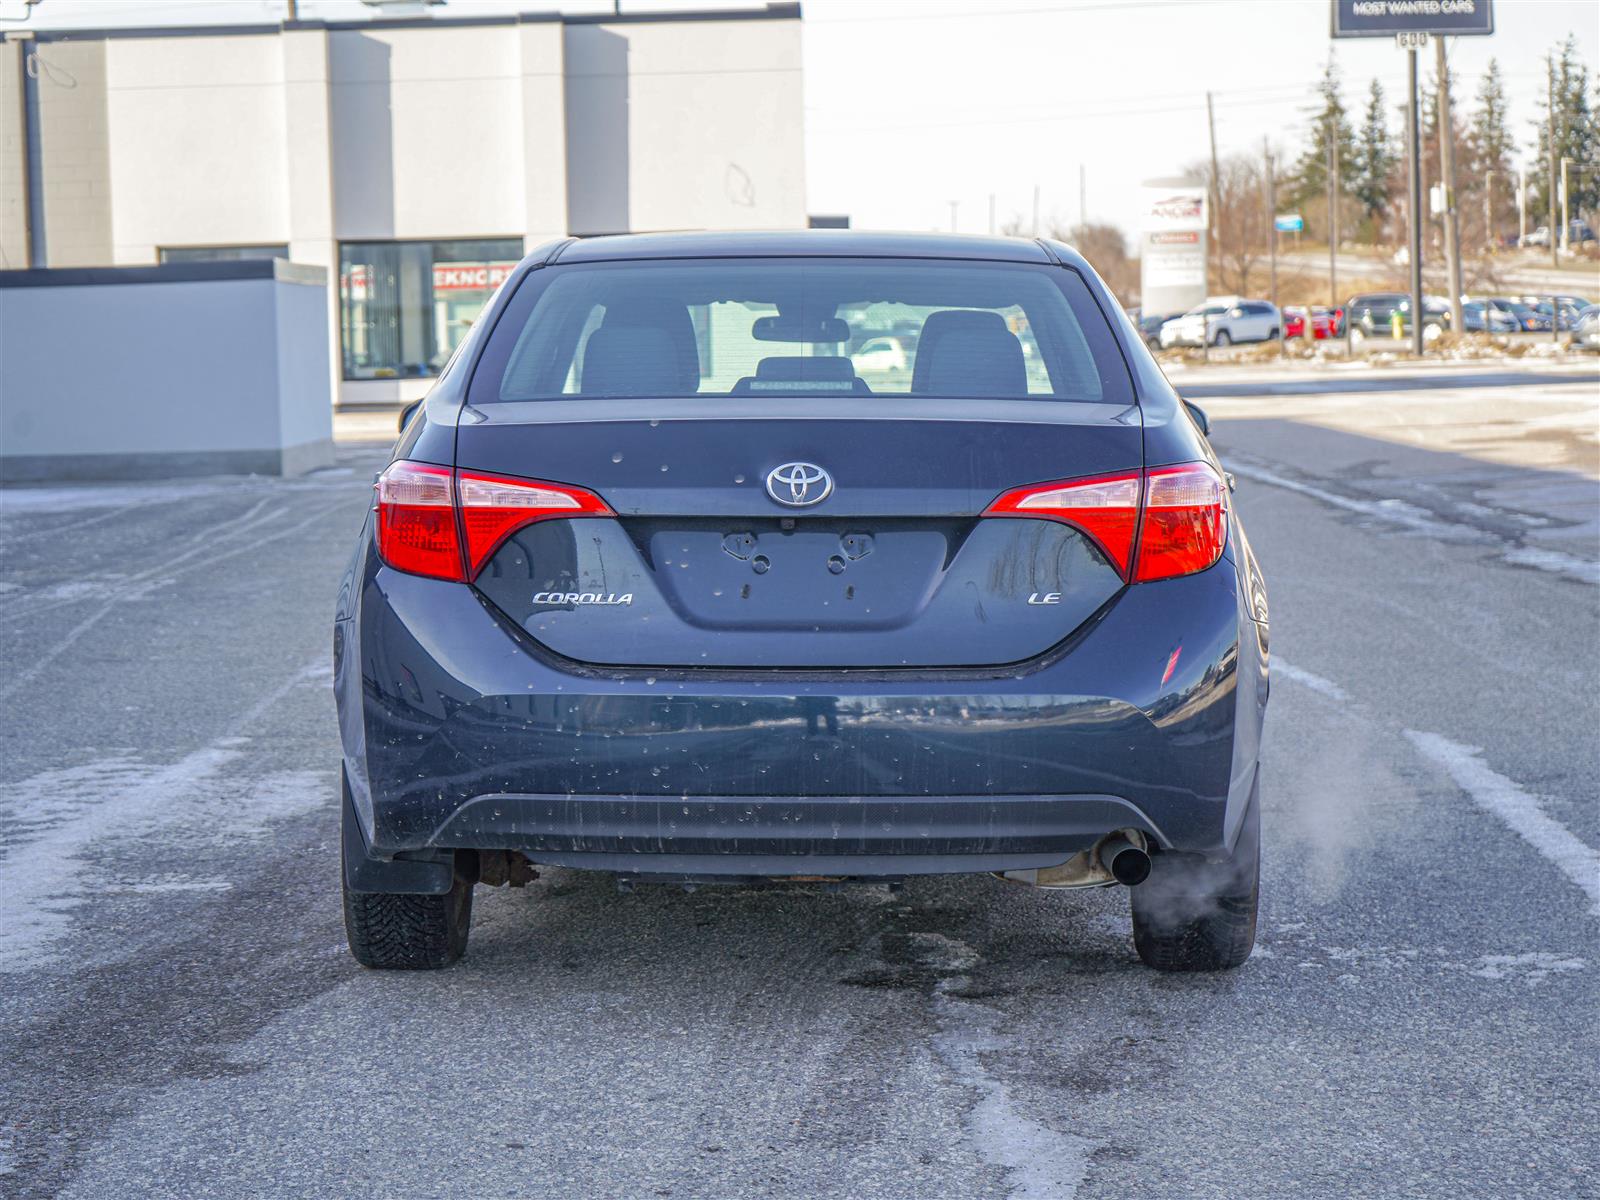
895,568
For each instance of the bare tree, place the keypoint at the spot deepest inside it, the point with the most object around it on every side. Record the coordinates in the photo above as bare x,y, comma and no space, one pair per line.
1241,221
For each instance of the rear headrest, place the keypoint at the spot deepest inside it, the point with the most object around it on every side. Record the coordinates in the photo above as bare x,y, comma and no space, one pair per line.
963,352
642,348
792,373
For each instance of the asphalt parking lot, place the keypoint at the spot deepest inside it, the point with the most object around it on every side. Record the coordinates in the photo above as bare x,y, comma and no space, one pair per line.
181,1018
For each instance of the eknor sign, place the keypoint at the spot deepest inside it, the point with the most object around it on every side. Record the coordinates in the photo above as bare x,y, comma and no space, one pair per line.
1385,18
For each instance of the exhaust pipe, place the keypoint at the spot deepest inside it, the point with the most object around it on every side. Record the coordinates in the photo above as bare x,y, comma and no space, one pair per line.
1128,864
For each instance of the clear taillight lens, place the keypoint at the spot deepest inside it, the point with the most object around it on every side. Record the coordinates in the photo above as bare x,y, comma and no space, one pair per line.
447,525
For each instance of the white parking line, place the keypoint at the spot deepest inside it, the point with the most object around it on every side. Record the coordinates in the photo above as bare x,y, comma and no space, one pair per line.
1519,809
1504,798
1306,679
1411,516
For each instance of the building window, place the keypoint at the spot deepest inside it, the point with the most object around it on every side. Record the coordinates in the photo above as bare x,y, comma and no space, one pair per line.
184,254
405,306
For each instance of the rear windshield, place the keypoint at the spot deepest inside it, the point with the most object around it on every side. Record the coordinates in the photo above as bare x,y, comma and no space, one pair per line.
799,327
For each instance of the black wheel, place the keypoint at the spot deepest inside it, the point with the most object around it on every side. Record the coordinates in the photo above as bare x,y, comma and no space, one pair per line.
1273,336
402,932
395,932
1195,915
1222,339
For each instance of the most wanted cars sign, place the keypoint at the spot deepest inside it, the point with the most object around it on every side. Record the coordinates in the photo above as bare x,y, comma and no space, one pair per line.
1385,18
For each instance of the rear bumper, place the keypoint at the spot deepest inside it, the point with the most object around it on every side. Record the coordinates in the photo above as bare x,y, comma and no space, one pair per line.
460,734
743,835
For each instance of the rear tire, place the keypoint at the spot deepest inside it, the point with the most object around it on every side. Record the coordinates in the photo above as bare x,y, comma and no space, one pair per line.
395,932
1222,339
1195,915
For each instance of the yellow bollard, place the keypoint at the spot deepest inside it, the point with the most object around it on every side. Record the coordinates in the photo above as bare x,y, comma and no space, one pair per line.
1397,326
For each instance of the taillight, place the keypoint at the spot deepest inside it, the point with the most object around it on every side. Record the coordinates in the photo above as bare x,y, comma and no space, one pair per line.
447,525
1185,521
1106,508
417,520
494,507
1184,511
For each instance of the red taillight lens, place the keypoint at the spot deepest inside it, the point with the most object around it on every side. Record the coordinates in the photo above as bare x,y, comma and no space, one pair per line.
1106,508
417,520
446,525
1185,521
494,507
1184,510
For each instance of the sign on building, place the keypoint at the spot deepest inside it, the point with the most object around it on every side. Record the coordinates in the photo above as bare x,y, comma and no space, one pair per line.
1172,245
1386,18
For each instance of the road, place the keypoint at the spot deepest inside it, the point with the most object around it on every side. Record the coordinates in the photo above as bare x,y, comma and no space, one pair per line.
180,1017
1506,273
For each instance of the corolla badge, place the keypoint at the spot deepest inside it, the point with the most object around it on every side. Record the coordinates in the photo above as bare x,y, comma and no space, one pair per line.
582,598
799,484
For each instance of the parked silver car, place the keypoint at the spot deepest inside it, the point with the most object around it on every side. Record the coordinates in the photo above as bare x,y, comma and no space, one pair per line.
1223,321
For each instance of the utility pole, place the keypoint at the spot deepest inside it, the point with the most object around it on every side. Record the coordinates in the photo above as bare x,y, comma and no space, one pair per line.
1216,183
1522,206
1550,146
1333,215
1566,208
1272,241
1414,149
1488,211
1447,172
294,11
1215,236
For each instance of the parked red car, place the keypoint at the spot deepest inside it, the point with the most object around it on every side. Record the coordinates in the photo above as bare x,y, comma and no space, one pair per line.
1324,323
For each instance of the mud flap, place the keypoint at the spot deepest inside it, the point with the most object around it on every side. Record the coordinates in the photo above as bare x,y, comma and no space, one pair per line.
421,873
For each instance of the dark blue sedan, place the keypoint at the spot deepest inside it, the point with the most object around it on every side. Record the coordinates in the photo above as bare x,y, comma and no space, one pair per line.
670,577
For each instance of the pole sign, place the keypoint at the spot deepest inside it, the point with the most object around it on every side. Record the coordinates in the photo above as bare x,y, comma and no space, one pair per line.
1289,223
1386,18
1172,275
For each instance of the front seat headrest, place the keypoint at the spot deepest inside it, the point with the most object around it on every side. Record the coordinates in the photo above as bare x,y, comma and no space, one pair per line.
965,352
642,348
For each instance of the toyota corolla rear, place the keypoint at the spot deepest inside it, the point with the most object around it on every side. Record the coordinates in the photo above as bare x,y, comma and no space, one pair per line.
661,583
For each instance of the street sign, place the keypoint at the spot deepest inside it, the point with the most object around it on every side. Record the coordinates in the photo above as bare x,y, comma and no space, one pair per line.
1386,18
1289,223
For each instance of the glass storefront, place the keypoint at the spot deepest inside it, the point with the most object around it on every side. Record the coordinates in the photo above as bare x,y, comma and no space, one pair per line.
405,306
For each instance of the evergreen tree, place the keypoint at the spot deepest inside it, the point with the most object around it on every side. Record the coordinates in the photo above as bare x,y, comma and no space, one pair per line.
1375,155
1575,137
1330,123
1489,147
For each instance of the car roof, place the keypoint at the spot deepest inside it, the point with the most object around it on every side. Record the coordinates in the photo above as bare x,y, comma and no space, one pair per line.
801,243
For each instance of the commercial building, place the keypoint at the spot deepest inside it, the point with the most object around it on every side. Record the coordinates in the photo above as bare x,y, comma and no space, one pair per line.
415,159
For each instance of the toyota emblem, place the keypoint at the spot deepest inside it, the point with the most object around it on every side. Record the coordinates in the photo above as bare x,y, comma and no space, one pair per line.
799,484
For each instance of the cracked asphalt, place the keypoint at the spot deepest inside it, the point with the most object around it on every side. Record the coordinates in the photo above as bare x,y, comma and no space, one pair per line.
1421,1017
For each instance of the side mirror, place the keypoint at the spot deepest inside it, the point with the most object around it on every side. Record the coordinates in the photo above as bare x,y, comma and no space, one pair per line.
1199,415
407,413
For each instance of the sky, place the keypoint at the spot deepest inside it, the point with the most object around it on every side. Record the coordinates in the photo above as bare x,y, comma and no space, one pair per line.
919,111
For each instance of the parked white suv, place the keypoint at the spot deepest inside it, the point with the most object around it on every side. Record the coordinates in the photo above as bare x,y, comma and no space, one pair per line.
1223,321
